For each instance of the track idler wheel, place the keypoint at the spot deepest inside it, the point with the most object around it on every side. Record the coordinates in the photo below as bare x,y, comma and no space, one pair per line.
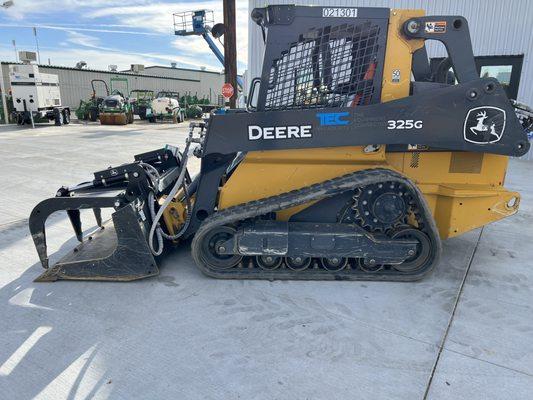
212,249
423,252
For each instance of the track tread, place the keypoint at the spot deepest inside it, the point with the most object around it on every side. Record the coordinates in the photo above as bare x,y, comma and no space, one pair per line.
304,195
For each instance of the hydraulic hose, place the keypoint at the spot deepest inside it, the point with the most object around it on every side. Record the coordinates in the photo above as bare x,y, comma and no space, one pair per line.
155,220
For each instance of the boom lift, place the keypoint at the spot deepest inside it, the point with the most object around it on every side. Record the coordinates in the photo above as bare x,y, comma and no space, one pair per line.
200,23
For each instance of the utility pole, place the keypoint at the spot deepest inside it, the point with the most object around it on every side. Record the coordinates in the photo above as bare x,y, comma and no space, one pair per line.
230,49
37,44
15,47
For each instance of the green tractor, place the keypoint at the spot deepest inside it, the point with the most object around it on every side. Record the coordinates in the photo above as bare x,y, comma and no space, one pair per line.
116,108
193,106
141,100
90,110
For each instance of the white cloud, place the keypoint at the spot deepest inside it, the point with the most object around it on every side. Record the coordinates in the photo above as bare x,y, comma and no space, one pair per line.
76,27
96,59
138,17
158,18
24,8
99,57
82,39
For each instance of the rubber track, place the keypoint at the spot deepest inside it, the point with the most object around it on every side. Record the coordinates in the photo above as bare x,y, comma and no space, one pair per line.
318,191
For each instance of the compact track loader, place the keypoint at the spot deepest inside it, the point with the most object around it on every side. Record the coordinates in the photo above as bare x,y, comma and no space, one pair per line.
352,161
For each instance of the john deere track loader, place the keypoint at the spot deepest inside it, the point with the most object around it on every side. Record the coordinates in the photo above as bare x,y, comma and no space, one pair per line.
352,161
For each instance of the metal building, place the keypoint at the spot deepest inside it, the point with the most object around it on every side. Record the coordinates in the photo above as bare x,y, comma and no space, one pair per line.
209,82
500,30
75,83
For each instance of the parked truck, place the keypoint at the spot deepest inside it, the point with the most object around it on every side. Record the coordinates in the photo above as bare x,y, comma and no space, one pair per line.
36,96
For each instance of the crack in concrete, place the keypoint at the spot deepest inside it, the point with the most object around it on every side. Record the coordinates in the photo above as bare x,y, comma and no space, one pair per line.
452,315
490,362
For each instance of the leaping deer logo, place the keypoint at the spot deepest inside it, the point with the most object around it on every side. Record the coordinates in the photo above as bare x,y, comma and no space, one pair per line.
480,127
484,131
493,131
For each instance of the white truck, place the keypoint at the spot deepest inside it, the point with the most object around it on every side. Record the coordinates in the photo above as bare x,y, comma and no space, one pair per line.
36,96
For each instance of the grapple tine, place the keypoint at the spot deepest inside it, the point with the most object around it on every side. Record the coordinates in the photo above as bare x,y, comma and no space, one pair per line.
75,220
38,234
98,216
119,249
117,252
47,207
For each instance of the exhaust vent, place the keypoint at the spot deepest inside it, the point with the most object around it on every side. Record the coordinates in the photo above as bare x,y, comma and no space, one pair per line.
415,159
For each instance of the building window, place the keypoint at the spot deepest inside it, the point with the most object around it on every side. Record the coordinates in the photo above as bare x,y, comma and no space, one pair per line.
500,72
506,69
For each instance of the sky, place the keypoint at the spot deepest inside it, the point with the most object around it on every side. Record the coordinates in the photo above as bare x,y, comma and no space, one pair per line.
119,32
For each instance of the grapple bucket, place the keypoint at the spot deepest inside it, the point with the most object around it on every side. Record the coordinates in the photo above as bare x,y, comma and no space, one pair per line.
118,250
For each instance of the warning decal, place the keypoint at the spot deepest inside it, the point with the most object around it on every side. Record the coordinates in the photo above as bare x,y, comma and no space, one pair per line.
436,27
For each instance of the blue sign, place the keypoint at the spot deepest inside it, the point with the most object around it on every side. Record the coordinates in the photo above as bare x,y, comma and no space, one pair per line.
333,119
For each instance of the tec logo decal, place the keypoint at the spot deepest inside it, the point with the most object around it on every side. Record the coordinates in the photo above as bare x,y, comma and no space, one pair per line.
484,125
333,119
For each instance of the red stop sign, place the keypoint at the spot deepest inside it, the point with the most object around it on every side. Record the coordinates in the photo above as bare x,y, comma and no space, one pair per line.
227,90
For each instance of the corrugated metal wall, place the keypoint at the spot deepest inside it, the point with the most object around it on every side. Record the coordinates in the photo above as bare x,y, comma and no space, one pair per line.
76,84
497,27
210,83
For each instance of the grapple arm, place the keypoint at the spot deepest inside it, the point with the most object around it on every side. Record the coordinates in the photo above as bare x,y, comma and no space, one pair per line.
118,250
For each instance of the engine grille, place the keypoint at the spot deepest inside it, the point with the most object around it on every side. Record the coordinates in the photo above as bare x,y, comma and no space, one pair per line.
111,103
332,66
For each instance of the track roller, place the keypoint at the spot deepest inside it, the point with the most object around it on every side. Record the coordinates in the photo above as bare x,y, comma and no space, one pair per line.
298,263
268,262
334,264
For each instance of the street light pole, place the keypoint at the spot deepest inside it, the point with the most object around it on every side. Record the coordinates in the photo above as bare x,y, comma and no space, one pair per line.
15,47
37,44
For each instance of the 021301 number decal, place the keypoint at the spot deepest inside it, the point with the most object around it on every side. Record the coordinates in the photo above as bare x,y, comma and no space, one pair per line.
339,12
404,124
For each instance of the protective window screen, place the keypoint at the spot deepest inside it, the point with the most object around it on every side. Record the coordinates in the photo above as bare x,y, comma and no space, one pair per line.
333,66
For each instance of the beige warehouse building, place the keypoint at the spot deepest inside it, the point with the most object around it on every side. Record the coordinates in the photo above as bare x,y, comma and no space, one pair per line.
75,83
